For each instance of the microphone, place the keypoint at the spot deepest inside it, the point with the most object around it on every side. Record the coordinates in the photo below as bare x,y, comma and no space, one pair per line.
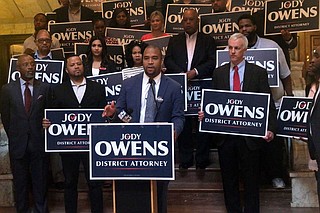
124,116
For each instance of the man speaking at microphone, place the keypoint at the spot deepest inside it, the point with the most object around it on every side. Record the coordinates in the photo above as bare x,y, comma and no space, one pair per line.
151,97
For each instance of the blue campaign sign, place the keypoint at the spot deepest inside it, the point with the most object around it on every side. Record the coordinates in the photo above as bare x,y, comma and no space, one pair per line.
266,58
194,89
47,71
292,116
181,78
234,113
112,83
131,151
68,131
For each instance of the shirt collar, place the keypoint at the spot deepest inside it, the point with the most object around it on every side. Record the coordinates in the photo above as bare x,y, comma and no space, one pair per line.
47,57
22,82
156,79
194,35
240,65
84,82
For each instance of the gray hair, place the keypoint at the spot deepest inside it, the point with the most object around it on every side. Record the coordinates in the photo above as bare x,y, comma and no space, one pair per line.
236,36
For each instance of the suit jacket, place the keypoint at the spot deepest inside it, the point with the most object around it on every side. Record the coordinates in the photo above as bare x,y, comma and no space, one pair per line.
255,80
313,126
62,14
94,96
169,110
204,57
23,128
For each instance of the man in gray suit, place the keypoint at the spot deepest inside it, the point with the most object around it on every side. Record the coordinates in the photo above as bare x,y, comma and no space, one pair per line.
22,109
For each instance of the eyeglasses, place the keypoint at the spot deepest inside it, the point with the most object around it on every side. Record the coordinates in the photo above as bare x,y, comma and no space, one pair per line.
315,53
42,40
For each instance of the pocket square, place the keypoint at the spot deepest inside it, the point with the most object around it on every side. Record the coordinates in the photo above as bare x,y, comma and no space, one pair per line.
40,97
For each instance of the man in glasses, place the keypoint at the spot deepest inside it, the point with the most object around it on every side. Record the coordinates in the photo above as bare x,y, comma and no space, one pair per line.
40,22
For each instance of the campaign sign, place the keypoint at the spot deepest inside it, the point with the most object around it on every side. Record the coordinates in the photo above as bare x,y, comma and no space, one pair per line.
220,26
292,116
116,54
81,49
94,5
194,89
47,71
58,54
295,16
161,42
173,21
69,33
132,151
234,113
266,58
51,16
112,83
136,10
251,5
123,36
181,78
69,130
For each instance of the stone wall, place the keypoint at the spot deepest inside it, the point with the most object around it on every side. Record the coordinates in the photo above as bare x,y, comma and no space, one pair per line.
6,184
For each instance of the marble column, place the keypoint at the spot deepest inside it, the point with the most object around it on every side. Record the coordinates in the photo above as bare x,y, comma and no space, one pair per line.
6,184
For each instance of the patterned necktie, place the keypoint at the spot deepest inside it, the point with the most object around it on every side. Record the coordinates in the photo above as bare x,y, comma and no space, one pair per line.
27,97
236,79
151,104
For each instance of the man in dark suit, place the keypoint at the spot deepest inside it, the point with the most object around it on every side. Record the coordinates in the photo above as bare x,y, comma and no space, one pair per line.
168,103
78,92
193,53
241,152
74,12
314,117
22,108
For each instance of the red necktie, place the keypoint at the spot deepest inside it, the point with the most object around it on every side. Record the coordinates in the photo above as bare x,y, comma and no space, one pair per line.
27,97
236,79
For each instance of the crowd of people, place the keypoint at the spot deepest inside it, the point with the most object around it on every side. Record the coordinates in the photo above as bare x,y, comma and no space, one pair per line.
190,52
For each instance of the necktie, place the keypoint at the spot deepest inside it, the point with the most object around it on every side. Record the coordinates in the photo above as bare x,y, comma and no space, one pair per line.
236,79
151,104
27,97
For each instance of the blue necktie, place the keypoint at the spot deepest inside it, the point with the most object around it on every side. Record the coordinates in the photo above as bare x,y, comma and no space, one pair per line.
151,104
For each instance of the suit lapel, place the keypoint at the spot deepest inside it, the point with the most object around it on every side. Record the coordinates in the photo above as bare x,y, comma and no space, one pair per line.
196,49
18,98
162,91
247,77
36,89
184,50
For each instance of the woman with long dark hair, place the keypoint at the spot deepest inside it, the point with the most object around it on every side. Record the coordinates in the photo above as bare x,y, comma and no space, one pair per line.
133,55
97,61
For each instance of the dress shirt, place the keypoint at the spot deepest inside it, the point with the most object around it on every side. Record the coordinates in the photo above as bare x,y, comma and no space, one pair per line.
47,57
241,68
191,41
23,87
80,89
73,17
95,71
144,93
